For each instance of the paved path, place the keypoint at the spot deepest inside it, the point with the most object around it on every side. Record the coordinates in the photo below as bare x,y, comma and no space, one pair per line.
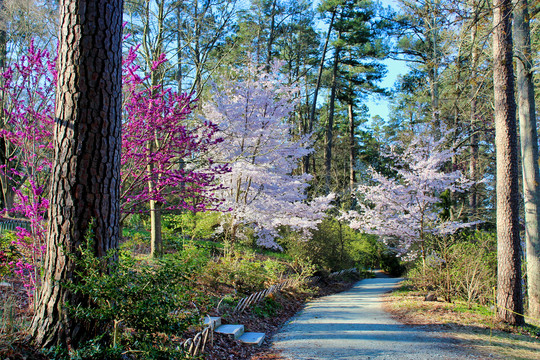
352,325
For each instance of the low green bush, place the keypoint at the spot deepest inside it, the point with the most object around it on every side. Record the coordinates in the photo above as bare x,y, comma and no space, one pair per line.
136,308
463,268
266,308
8,252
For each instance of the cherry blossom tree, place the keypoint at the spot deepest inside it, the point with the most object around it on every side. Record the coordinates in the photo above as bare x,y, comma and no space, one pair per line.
261,192
406,207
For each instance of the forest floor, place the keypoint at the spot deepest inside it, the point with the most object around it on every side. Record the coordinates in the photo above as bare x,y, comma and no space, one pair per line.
473,327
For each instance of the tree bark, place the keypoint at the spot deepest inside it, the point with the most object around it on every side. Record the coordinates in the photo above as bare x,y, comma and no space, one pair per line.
529,151
509,299
330,126
473,160
434,68
352,149
317,87
86,167
271,36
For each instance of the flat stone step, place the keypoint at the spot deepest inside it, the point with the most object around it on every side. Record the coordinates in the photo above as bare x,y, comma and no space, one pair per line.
234,331
216,320
253,338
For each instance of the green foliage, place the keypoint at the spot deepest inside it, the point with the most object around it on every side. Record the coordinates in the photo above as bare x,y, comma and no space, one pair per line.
8,252
191,225
335,246
138,307
244,272
464,268
266,308
135,241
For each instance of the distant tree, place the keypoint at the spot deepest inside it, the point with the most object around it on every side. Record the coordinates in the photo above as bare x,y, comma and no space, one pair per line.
405,208
358,41
529,151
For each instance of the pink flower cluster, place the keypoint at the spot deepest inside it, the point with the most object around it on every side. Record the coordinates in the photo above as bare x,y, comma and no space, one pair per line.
159,147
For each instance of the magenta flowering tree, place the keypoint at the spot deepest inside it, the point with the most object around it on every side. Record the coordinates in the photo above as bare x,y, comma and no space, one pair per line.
171,174
406,208
162,163
27,100
261,191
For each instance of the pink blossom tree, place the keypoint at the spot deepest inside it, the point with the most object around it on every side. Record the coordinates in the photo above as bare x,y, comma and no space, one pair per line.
27,99
261,191
156,115
405,208
162,166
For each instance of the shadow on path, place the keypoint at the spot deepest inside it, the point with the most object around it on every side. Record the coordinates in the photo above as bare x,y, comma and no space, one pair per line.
352,325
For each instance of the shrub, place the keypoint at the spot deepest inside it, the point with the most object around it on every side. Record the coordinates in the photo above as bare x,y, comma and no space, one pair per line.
200,225
137,306
240,271
8,252
463,268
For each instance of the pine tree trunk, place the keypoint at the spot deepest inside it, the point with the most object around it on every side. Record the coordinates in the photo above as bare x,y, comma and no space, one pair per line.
529,152
330,126
352,150
473,160
317,87
509,299
86,166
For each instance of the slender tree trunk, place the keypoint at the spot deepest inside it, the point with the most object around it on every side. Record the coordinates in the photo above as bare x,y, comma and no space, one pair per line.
509,298
352,147
271,36
473,160
434,68
330,125
86,167
529,151
179,75
156,238
317,87
156,243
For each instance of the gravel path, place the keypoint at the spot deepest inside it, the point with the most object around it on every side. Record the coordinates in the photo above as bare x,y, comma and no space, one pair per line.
352,325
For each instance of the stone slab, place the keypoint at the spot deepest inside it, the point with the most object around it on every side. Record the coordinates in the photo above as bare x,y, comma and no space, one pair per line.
216,320
253,338
235,331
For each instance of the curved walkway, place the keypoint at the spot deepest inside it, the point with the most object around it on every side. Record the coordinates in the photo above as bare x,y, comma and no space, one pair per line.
352,325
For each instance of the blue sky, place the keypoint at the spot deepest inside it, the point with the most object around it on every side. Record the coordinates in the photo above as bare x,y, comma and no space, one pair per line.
378,105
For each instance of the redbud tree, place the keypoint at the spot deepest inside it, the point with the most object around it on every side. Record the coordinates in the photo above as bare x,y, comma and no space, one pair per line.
155,115
27,100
